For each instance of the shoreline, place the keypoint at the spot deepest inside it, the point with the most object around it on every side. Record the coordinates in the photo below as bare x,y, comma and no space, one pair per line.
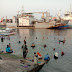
13,63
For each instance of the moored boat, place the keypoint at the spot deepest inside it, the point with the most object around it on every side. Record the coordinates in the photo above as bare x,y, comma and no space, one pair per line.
61,25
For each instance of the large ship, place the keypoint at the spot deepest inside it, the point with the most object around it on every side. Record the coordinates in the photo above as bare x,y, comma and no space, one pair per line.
68,16
46,21
61,25
50,22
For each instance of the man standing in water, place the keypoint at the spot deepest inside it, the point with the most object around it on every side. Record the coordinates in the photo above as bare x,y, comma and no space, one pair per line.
25,50
1,38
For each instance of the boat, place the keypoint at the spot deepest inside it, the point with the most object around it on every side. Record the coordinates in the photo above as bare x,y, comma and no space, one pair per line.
46,22
60,25
5,34
68,16
51,22
44,25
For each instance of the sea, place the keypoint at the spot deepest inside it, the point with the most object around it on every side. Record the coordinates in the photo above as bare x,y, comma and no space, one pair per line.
40,37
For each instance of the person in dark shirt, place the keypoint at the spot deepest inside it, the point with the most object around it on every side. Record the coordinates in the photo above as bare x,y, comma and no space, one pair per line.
24,41
25,50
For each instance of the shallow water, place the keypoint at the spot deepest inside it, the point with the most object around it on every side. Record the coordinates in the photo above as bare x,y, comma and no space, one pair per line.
51,39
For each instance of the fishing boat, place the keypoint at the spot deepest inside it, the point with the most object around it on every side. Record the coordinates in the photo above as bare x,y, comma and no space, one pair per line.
62,25
50,22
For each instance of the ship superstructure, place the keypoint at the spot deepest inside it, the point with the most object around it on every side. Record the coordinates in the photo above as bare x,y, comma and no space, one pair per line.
46,21
24,19
68,16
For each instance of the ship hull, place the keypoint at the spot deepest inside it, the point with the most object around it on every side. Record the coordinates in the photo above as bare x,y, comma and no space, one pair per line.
52,25
63,25
43,25
60,27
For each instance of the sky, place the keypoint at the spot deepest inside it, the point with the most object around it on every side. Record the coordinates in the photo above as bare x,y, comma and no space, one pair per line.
9,8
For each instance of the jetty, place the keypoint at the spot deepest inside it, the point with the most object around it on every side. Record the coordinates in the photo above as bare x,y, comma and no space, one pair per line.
12,63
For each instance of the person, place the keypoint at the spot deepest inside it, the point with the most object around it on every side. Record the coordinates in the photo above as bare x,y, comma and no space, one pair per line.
33,45
9,45
62,53
35,58
63,41
25,50
56,55
34,55
36,37
59,41
1,38
7,48
25,41
8,37
47,57
45,45
19,42
54,49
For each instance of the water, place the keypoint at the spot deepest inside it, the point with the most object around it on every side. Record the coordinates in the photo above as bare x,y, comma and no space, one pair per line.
62,64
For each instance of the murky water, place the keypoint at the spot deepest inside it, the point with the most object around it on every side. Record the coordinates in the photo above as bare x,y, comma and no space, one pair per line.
51,39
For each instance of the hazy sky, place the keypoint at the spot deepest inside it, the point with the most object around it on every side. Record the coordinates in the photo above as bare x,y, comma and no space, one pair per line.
9,8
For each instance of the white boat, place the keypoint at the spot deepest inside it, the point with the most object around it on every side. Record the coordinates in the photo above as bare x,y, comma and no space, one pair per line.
3,31
5,34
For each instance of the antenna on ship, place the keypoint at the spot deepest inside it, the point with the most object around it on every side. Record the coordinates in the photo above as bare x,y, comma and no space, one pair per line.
18,13
70,6
47,16
22,11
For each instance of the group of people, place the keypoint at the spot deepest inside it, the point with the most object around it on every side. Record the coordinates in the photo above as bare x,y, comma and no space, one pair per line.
62,41
25,49
3,37
56,54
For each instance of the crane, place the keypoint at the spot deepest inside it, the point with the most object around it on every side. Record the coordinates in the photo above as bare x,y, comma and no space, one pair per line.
43,17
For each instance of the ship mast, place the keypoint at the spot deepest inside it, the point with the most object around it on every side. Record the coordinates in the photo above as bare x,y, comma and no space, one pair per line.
70,9
22,11
47,16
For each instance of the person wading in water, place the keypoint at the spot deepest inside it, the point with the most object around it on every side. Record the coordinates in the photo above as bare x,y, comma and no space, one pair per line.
25,50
